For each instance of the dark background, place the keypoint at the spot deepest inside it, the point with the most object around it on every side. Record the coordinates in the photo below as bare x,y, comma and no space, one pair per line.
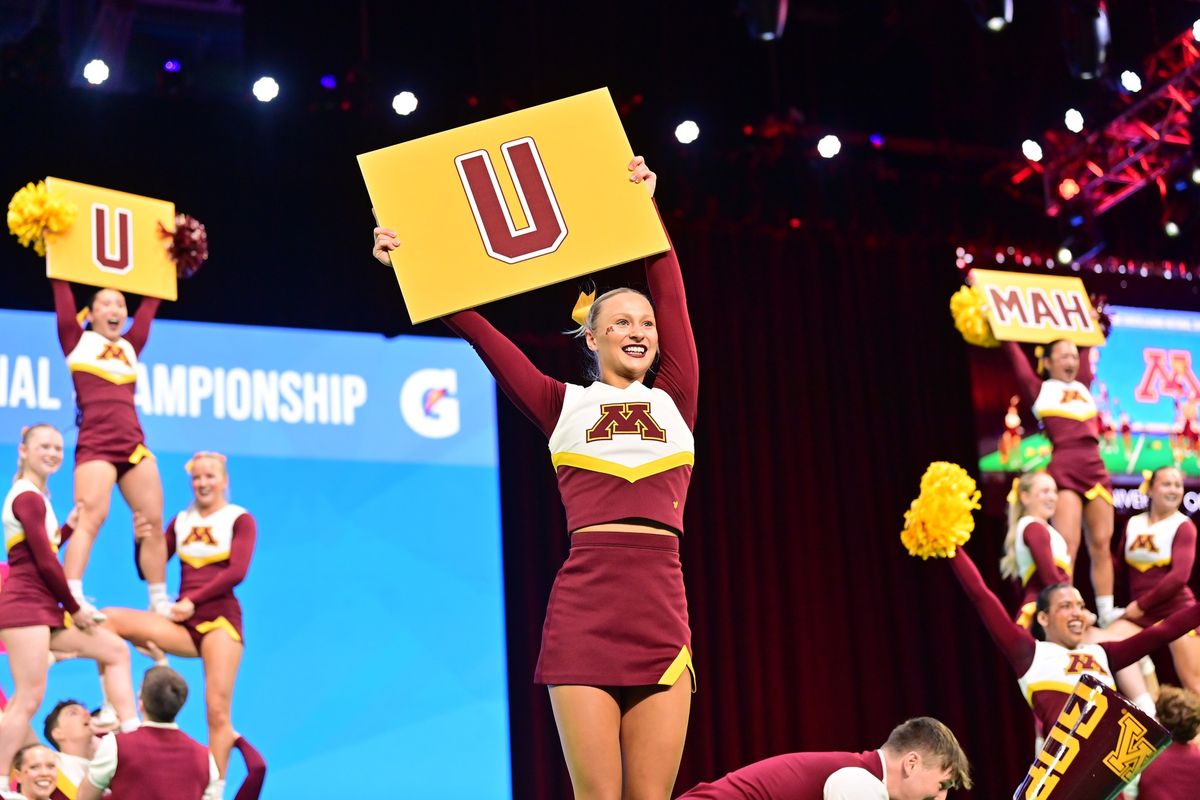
831,372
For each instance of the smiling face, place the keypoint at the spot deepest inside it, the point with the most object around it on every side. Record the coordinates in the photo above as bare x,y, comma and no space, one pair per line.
209,482
1166,491
1065,619
1041,498
109,312
37,773
1062,361
41,452
624,338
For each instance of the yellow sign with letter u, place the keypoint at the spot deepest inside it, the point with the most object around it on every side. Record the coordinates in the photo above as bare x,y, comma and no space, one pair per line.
115,242
511,204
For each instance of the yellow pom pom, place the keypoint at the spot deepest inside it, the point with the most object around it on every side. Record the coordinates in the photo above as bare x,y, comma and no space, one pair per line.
939,521
34,211
1147,474
967,307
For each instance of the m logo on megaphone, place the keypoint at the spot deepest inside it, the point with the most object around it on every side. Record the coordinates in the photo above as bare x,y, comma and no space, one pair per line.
1099,743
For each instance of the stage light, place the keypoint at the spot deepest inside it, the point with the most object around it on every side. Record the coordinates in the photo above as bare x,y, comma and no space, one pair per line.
266,89
687,132
1196,30
1068,188
96,72
994,15
876,140
765,18
1086,36
829,146
1131,81
404,103
172,65
1032,150
329,82
1196,175
1171,228
1076,221
1065,255
1073,120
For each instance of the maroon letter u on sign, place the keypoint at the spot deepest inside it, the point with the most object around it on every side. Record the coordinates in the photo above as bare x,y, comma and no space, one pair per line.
545,230
105,255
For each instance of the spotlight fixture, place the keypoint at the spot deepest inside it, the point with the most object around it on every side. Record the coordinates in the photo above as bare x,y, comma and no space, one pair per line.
993,15
1086,36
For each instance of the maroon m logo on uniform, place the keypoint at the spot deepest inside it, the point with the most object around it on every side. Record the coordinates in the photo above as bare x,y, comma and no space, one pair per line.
104,255
544,230
631,418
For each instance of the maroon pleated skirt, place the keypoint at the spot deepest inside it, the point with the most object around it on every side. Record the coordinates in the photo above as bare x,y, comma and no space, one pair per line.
617,614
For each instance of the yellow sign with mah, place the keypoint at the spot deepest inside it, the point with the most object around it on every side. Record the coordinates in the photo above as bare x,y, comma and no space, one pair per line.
115,241
1038,308
511,204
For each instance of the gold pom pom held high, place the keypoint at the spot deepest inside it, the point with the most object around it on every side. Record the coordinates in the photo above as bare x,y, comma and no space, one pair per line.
939,521
968,306
35,211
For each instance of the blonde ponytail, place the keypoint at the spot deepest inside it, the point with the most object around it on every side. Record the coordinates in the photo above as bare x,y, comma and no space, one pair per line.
1016,510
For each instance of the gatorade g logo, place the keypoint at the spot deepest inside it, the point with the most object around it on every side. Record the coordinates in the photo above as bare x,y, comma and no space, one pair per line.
428,405
1132,749
1079,718
632,418
112,250
544,228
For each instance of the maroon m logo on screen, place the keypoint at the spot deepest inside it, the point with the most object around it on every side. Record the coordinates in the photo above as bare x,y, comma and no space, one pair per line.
545,229
104,255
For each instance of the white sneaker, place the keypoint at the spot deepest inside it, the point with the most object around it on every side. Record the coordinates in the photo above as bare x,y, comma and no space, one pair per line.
162,608
1110,617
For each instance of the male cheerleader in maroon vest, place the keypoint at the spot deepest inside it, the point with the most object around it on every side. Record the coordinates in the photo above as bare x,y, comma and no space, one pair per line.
157,760
920,760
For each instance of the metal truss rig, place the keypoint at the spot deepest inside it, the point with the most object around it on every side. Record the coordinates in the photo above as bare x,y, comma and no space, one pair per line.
1145,145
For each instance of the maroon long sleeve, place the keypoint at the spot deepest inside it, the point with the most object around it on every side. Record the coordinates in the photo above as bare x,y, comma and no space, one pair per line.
537,395
1015,642
1085,375
64,310
1127,651
1183,557
241,550
1028,380
256,771
1037,539
30,510
139,332
678,367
